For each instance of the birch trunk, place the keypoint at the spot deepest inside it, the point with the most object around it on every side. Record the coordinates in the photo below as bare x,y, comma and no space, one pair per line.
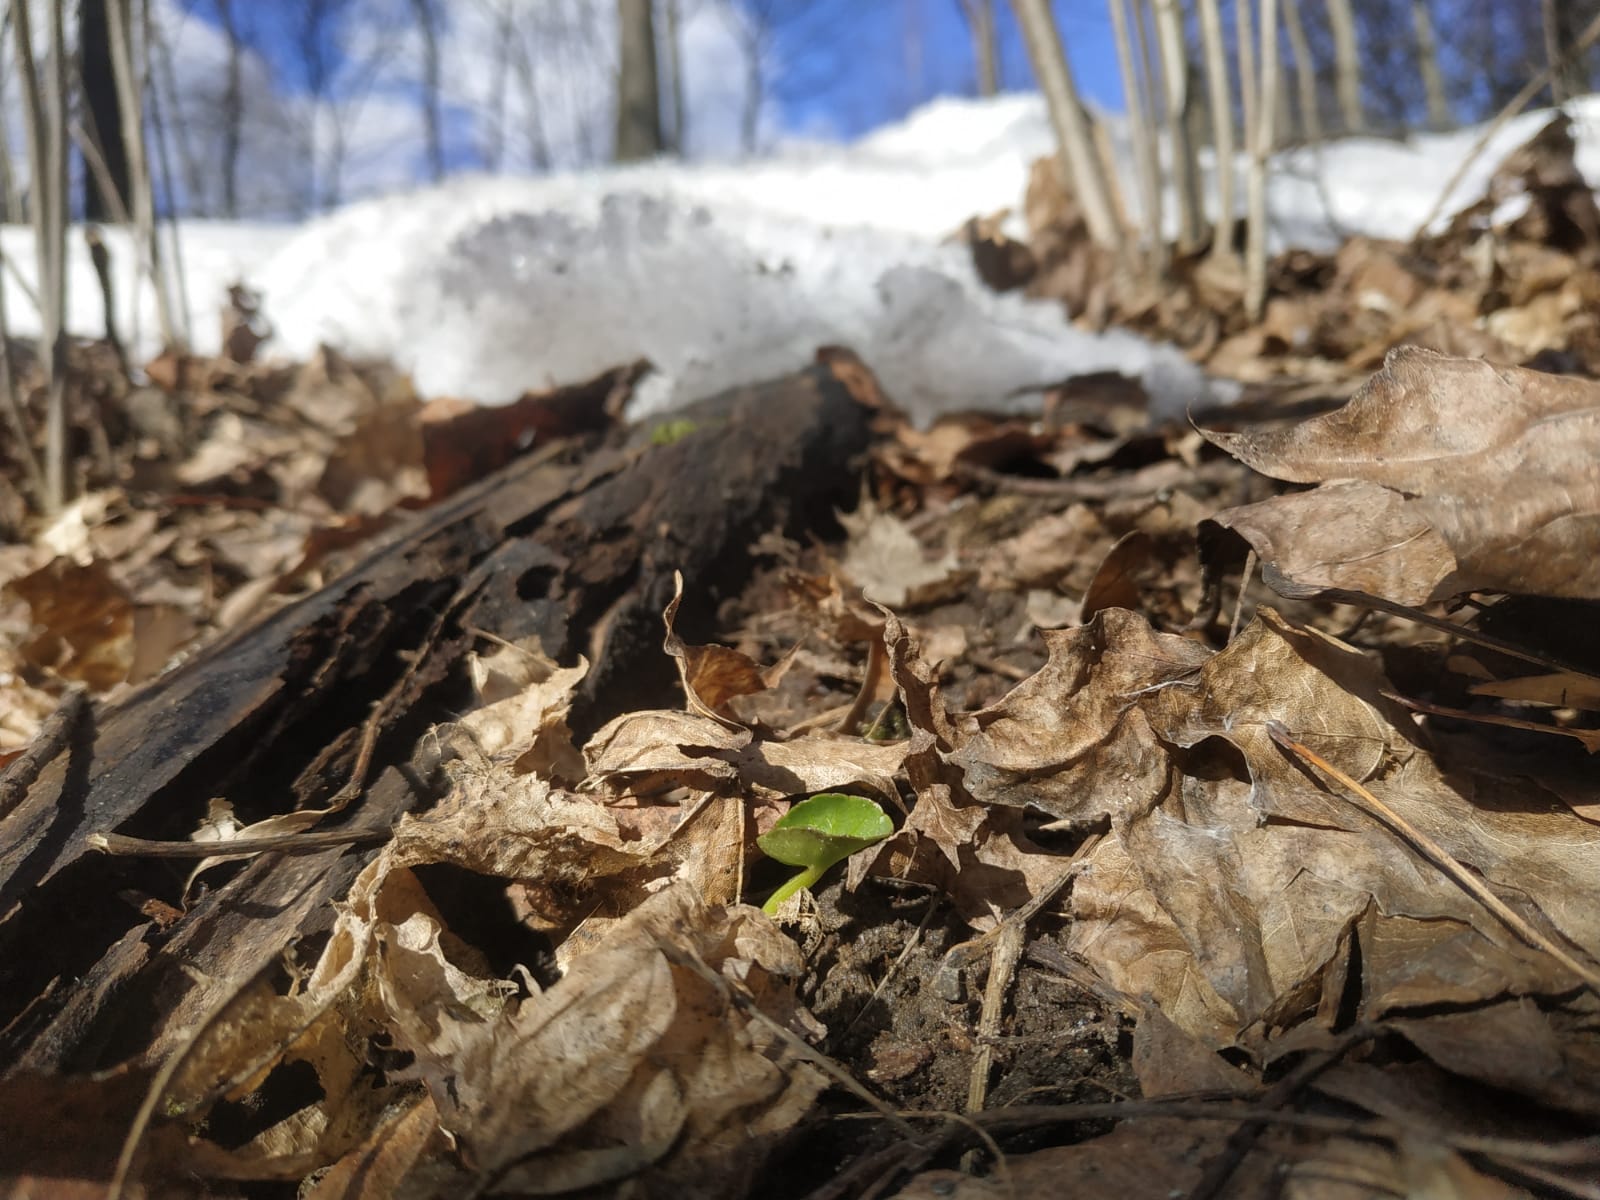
1428,63
1305,72
45,118
1255,270
1346,64
1221,93
130,96
1071,123
1146,162
1185,170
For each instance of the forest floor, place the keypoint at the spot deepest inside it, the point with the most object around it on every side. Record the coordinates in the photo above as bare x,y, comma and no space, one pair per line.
1209,804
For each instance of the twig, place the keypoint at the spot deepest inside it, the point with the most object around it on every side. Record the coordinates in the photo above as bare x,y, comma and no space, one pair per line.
1154,478
900,961
1008,944
1010,938
1574,1152
1513,106
1589,739
89,147
1244,591
53,735
1277,583
1221,1168
121,846
1440,857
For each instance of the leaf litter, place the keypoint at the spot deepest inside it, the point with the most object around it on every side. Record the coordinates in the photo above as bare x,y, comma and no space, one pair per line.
1295,898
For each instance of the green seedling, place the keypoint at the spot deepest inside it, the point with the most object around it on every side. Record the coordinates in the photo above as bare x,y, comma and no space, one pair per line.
675,430
819,832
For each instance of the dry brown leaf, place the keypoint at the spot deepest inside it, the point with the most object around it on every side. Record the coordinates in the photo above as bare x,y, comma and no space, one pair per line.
1497,461
1228,884
83,622
525,698
711,675
1348,535
886,562
978,855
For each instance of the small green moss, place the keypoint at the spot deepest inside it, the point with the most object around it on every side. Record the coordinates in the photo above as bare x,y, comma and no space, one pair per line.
671,431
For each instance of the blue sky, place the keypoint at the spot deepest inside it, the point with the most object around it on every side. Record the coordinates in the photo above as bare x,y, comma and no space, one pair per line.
884,39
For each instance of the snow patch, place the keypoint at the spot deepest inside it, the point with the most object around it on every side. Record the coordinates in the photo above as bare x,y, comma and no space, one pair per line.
725,273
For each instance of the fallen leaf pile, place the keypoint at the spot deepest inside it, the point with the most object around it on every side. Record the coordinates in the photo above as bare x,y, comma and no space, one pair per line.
217,491
1513,278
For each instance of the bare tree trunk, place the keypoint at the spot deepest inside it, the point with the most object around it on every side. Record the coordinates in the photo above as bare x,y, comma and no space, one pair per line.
1185,168
1346,64
638,83
755,95
21,435
45,106
1217,83
1305,72
130,96
98,85
1245,39
538,144
985,46
1255,259
1428,62
427,22
166,80
10,190
1567,76
232,110
494,149
680,116
1071,122
1146,160
159,126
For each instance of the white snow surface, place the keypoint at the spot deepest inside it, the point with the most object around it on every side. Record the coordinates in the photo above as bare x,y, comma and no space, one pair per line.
724,274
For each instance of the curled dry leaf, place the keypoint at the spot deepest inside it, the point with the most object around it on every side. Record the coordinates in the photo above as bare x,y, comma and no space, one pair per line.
1233,877
630,1066
525,698
1467,476
711,675
648,753
976,853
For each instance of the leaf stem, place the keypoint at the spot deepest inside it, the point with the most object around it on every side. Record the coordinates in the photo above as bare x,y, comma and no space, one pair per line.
803,880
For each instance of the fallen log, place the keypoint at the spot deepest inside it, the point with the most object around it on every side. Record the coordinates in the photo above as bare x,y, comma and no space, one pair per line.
334,693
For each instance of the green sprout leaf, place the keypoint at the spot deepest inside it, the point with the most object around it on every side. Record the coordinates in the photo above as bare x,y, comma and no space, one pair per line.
819,832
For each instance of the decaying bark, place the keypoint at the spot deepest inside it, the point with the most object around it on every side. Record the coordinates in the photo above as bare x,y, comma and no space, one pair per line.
578,550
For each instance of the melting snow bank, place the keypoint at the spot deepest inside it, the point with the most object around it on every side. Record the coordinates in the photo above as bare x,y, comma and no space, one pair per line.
526,295
721,274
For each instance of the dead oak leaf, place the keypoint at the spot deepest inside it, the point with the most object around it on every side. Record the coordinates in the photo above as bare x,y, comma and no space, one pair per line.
1498,462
